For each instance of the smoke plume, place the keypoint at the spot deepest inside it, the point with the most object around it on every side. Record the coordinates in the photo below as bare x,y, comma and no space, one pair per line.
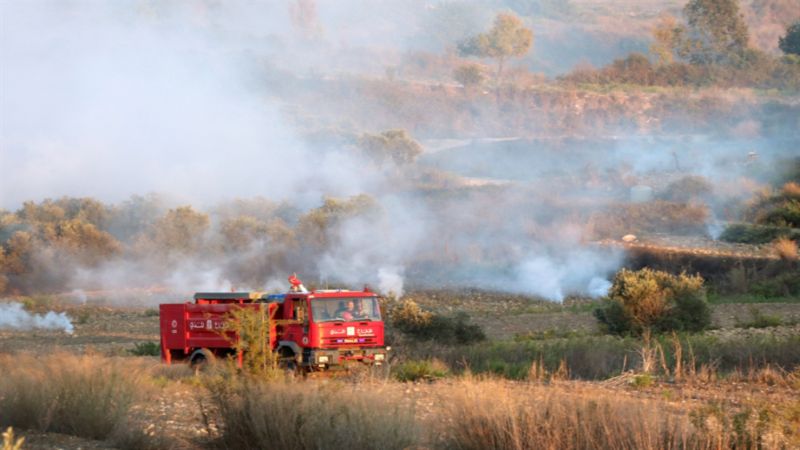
14,317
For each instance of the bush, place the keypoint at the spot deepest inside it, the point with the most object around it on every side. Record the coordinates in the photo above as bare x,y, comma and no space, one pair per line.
148,348
421,370
650,299
424,325
757,234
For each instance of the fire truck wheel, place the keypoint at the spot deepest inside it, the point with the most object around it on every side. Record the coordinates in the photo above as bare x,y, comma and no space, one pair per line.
201,359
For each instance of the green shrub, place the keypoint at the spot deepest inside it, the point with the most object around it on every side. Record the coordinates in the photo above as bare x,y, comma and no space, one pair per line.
760,320
419,324
757,234
655,300
148,348
421,370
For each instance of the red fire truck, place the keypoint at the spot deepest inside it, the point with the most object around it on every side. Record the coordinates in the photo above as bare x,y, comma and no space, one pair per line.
309,330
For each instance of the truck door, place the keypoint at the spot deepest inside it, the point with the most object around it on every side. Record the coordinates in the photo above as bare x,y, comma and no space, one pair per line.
297,329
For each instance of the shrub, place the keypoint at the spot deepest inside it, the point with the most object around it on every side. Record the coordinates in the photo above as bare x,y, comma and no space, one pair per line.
757,234
149,348
82,396
258,414
469,75
760,320
421,370
651,299
424,325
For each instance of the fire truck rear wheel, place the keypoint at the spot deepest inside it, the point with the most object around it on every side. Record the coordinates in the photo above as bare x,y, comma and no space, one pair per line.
201,359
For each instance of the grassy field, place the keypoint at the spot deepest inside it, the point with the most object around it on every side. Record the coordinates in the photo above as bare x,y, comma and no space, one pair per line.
545,378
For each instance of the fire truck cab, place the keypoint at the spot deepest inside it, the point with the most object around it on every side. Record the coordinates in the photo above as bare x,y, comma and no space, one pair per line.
313,330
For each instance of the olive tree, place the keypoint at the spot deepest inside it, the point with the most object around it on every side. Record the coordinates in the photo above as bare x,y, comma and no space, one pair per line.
507,38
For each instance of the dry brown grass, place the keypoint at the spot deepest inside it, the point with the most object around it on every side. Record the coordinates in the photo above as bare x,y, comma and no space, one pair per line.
90,396
285,415
483,414
785,248
791,190
480,414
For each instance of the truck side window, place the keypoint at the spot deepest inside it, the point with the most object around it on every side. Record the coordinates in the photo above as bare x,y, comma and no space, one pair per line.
300,310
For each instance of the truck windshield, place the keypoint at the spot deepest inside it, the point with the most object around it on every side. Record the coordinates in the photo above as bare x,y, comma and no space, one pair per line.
345,309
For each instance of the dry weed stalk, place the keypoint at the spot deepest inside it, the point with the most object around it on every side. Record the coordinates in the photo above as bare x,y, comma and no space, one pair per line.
11,443
786,249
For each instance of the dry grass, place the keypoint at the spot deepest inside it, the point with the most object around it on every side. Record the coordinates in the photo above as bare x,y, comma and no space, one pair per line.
493,414
78,395
785,248
791,190
88,396
259,414
482,414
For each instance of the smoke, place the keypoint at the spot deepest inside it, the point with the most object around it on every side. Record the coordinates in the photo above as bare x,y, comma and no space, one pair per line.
14,317
206,102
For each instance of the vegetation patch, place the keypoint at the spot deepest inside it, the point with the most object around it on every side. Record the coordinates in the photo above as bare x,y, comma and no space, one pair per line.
654,300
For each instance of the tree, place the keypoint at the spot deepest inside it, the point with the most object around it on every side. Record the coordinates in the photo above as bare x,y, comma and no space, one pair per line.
666,36
790,44
394,145
508,38
181,230
716,32
650,300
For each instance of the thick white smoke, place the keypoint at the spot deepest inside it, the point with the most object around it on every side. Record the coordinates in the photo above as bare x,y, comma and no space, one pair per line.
14,317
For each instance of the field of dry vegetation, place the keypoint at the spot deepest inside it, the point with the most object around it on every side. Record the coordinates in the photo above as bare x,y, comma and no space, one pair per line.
545,378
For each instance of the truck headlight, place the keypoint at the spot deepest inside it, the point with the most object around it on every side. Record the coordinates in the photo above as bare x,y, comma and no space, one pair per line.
322,359
380,357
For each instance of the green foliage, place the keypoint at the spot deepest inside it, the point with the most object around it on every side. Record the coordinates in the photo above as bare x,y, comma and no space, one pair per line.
417,370
148,348
424,325
248,330
716,31
783,284
760,320
790,43
746,233
642,380
653,300
507,38
395,146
